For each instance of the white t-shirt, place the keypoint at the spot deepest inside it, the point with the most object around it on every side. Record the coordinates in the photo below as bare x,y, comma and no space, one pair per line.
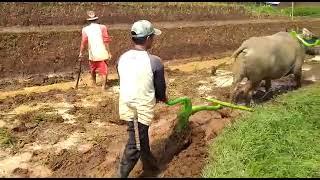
141,83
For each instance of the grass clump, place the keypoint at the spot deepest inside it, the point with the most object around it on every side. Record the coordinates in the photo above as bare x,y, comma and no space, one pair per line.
39,116
277,140
5,138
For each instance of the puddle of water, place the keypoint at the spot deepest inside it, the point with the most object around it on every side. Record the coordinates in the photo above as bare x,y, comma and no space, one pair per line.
222,78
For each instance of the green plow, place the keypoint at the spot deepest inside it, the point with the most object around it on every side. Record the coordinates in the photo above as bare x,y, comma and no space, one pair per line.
187,109
307,42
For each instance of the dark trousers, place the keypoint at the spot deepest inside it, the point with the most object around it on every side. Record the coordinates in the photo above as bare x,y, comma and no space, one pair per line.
131,154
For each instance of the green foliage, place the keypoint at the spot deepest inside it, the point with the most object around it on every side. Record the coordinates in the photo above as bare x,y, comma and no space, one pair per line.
5,138
313,11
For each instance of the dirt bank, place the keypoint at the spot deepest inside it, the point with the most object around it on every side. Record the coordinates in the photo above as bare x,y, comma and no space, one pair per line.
46,52
46,13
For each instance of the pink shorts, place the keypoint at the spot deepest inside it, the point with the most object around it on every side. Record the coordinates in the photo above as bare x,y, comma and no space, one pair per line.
101,66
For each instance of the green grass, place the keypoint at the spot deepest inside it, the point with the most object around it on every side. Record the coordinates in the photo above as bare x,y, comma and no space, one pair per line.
5,138
281,139
313,11
303,11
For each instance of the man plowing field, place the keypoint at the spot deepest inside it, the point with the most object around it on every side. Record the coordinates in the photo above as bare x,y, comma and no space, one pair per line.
142,84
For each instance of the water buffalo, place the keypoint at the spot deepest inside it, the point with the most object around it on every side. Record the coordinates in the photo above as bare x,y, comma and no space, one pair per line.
266,58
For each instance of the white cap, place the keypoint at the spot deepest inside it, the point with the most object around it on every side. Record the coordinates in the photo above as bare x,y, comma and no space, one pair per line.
143,28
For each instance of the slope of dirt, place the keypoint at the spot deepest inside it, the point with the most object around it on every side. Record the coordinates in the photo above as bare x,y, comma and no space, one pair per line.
49,13
53,52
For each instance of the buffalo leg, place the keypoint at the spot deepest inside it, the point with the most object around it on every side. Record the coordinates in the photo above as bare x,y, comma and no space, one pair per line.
248,90
235,86
267,85
297,71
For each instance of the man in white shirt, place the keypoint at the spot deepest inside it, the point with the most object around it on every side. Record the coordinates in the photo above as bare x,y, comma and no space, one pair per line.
97,37
142,84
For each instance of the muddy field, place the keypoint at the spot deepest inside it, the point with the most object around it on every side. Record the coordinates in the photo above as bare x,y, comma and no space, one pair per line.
55,130
26,53
49,129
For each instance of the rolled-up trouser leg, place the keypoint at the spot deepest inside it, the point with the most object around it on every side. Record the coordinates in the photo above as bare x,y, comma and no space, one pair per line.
131,154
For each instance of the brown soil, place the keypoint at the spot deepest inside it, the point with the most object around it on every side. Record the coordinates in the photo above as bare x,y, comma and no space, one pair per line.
50,96
95,141
106,109
12,102
25,14
73,164
104,145
54,52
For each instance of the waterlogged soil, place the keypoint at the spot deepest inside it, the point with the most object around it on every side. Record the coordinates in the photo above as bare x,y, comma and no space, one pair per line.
77,133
